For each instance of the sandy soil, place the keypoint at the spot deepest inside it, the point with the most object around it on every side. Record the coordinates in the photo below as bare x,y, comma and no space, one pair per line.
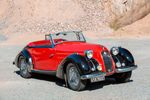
26,17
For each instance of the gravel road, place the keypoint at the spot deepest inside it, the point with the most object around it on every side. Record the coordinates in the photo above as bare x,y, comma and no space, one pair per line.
43,87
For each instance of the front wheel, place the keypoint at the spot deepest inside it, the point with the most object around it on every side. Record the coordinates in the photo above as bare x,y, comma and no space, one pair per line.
123,77
73,78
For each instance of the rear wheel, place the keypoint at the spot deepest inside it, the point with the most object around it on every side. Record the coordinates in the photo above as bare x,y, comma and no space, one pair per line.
24,68
73,78
123,77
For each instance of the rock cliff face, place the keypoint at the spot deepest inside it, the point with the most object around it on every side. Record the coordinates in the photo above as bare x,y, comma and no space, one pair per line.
43,16
125,12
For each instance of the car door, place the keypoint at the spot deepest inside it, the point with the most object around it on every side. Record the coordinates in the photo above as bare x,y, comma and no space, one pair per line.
43,58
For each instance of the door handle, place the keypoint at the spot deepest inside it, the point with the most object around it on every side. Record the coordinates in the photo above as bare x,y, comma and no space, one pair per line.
51,55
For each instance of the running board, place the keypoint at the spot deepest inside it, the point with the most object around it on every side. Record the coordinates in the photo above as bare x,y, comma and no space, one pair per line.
44,72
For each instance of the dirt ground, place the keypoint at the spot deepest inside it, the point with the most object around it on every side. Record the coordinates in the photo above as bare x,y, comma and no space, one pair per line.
14,87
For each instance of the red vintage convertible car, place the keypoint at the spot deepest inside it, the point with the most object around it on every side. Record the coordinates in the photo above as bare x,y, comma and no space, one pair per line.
68,56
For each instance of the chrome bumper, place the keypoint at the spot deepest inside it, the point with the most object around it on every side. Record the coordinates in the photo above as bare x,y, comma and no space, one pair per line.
121,70
89,76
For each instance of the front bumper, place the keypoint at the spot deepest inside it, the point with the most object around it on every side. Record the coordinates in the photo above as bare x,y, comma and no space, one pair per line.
93,75
127,69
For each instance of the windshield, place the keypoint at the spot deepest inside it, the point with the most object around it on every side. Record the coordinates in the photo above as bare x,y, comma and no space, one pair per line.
67,36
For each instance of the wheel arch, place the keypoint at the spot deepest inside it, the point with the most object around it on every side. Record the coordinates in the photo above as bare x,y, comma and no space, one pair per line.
78,60
24,53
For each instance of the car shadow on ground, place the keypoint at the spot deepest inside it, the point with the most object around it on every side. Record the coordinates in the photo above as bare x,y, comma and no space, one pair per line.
44,77
98,85
60,82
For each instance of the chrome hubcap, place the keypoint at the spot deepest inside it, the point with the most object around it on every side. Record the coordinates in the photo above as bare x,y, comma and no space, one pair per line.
74,77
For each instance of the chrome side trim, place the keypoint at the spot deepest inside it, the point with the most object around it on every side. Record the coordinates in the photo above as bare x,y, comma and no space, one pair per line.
89,76
30,64
121,70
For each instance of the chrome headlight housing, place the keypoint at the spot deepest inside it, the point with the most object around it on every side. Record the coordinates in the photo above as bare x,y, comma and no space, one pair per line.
115,50
89,54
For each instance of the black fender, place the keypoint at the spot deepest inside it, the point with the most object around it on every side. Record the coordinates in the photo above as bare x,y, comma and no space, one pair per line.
25,53
124,56
81,62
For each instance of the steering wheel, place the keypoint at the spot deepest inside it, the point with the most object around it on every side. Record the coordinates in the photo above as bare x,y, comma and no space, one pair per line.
59,40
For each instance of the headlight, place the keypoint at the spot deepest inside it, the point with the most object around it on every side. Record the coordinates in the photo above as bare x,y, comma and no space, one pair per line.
89,54
115,50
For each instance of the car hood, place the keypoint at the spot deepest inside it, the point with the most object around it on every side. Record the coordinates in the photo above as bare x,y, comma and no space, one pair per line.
78,47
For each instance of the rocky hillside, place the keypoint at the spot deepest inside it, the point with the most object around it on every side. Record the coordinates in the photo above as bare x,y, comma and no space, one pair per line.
43,16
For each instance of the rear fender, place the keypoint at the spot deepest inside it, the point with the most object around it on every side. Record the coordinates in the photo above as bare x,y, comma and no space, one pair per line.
26,55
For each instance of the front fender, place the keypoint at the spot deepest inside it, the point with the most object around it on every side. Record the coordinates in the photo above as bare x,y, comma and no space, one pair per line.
125,60
127,54
124,56
80,61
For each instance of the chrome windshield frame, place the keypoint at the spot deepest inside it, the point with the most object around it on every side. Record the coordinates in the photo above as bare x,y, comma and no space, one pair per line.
53,43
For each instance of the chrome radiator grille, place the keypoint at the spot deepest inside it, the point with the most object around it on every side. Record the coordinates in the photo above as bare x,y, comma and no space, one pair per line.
107,61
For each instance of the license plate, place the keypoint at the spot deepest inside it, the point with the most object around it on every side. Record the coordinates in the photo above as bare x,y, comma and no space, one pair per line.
97,79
